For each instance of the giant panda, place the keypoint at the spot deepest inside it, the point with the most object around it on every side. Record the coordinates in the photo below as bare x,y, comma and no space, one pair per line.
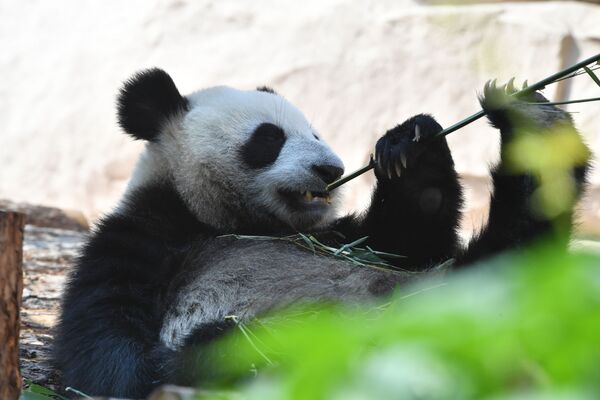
161,272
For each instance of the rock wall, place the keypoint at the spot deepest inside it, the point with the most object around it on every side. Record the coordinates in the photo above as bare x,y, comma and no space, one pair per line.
355,68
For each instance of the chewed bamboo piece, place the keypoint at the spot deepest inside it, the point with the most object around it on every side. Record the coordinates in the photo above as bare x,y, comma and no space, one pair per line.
582,67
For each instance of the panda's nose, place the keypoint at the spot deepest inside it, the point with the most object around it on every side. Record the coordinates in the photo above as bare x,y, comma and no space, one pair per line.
328,173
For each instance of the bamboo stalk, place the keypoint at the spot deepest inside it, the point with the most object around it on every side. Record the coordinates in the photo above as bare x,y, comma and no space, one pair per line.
524,92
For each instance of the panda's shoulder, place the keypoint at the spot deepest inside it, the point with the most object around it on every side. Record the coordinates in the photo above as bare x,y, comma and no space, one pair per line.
151,225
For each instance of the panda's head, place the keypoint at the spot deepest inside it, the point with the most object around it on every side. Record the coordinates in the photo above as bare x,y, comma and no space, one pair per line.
238,159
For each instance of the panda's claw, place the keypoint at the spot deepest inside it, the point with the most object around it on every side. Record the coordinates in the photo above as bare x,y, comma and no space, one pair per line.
384,161
525,84
398,170
390,173
510,86
417,135
403,159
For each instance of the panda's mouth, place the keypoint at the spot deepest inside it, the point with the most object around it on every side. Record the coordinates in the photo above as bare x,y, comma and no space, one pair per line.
308,198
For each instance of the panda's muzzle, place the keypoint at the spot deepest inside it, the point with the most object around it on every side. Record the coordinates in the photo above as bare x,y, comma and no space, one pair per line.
313,200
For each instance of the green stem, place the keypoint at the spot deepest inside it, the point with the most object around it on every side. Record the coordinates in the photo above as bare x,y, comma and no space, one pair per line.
558,103
526,91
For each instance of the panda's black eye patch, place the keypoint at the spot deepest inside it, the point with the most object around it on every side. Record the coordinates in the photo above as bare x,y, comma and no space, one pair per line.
263,147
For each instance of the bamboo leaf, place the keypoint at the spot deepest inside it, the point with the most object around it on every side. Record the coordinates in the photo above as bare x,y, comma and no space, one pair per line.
350,245
358,241
385,254
363,257
592,75
308,242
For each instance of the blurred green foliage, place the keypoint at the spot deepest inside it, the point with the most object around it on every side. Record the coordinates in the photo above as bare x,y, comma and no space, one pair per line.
550,158
520,326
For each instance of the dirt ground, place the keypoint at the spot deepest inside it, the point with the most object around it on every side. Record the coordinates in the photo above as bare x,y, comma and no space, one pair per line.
48,253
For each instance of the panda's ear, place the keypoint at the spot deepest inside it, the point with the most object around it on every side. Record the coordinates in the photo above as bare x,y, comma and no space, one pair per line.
146,101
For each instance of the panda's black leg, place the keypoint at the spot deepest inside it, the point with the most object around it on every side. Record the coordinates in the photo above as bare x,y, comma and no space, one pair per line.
516,218
415,207
196,361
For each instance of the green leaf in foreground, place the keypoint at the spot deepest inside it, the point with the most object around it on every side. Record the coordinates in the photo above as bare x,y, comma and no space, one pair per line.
523,326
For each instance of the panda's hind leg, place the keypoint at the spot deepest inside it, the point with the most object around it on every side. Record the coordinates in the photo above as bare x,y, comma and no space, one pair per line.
517,215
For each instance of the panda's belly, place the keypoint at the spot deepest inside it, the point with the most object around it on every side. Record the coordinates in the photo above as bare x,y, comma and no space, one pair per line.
247,278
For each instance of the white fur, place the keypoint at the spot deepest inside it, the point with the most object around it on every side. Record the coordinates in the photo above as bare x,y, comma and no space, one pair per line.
199,151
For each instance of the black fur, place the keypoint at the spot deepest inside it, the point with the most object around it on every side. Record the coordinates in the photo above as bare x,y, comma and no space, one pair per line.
263,147
107,337
147,101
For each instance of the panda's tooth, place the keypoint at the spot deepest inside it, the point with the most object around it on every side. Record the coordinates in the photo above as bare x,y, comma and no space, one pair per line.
309,196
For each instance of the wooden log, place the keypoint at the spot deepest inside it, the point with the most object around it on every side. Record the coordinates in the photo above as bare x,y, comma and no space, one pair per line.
11,288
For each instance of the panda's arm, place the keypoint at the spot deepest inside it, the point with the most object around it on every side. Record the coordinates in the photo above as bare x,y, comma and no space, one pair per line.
415,207
514,218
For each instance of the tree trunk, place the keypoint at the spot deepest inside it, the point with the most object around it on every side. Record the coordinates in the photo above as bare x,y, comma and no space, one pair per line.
11,287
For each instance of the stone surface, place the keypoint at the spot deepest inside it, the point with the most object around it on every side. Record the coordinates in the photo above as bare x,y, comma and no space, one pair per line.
355,68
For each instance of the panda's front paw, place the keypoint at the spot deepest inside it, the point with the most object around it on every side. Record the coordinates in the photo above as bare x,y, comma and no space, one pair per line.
509,113
403,148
